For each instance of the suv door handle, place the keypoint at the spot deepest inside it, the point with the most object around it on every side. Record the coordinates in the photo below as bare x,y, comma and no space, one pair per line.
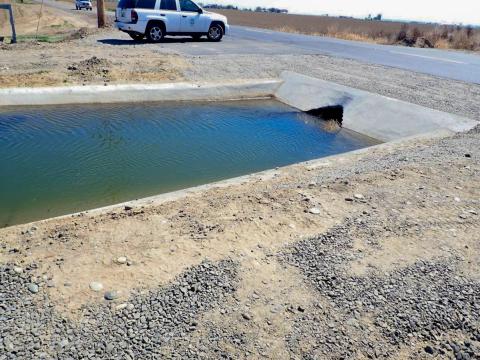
162,15
184,15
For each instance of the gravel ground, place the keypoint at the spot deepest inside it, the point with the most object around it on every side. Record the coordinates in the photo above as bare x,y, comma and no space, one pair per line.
139,328
436,93
424,301
442,153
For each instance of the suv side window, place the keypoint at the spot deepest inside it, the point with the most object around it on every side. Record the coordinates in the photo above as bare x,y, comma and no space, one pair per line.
188,5
145,4
168,5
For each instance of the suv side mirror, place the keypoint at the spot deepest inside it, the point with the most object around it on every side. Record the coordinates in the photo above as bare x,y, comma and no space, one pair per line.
200,10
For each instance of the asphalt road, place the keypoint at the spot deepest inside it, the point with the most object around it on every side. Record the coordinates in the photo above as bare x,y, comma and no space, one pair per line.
456,65
450,64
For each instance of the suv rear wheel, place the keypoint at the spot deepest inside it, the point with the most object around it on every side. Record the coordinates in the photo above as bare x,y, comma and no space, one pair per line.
215,33
155,32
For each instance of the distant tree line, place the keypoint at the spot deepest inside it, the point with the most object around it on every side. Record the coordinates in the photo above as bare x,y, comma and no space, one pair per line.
271,10
257,9
374,18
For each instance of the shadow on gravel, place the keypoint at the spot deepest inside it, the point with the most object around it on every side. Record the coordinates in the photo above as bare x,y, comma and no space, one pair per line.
375,315
174,40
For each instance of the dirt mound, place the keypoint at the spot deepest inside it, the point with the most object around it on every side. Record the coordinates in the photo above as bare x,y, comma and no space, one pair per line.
92,69
81,33
420,42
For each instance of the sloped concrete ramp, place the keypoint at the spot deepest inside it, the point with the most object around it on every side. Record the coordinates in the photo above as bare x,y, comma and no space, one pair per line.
374,115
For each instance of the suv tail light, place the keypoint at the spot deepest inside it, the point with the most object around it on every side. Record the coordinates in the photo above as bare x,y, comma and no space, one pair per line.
134,16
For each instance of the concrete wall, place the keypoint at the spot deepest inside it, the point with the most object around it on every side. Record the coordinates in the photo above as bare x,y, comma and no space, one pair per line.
143,92
370,114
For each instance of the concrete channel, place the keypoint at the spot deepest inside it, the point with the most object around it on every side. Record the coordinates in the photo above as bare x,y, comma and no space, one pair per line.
385,119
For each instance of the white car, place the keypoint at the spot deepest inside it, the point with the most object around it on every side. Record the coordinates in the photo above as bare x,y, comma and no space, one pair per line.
156,18
83,4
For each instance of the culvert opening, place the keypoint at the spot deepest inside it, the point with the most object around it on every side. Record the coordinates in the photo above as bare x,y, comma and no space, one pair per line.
328,113
58,160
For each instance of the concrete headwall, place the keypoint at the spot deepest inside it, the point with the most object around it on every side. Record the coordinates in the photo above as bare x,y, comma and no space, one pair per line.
134,93
374,115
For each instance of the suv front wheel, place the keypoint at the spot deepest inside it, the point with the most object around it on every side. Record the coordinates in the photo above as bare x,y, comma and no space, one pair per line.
155,32
215,33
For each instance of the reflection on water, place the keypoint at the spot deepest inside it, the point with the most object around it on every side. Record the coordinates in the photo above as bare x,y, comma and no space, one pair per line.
62,159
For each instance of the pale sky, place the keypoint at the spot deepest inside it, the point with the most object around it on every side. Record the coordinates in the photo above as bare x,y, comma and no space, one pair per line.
451,11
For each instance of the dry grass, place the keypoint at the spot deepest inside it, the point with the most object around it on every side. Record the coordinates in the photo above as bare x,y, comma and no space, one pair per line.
455,38
52,21
381,32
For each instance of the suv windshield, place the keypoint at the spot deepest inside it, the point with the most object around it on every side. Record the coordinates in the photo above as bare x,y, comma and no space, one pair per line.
188,5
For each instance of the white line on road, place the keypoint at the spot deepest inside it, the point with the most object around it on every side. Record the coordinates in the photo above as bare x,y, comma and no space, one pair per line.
261,31
429,57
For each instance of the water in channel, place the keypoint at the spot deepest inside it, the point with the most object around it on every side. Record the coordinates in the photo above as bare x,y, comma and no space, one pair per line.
58,160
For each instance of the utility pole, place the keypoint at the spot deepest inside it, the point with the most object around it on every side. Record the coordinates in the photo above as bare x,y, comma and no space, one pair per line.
38,23
101,13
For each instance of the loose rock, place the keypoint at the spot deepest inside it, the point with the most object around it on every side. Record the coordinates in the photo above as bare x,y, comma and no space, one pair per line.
33,288
96,286
247,316
111,295
122,260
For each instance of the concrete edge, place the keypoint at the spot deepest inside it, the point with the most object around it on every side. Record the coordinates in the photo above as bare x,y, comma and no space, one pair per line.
182,91
157,200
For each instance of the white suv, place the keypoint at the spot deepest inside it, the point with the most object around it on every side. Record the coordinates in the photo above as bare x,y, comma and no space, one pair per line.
83,4
156,18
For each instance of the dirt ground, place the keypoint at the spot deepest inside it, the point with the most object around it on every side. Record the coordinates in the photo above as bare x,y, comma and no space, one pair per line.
373,254
73,62
62,58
